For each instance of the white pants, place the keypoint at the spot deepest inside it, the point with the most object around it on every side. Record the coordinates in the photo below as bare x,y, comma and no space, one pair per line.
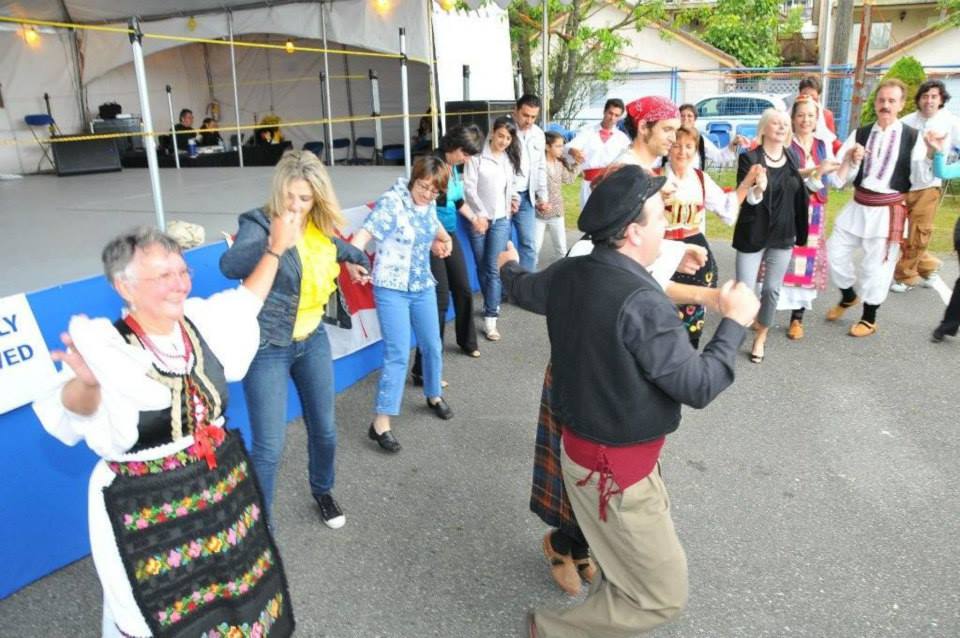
558,233
876,267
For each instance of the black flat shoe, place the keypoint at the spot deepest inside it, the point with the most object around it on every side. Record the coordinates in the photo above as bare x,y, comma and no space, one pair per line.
441,409
938,335
386,440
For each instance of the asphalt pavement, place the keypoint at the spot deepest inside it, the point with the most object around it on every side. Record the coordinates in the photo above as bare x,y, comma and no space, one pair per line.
817,497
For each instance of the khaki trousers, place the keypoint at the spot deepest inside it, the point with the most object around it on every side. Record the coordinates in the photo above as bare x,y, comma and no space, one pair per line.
915,262
642,581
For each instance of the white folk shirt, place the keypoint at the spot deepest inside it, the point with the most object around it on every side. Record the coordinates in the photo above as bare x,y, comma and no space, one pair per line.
874,221
596,152
942,122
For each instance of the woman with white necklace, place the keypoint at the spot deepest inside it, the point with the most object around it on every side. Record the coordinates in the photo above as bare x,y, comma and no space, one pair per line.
766,232
807,272
694,193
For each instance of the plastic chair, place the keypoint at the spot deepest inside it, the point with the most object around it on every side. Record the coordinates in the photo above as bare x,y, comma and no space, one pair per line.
366,143
338,143
567,134
393,154
713,137
723,131
749,131
37,120
314,147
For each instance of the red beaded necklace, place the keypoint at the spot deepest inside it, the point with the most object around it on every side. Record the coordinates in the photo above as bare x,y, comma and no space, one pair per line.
206,436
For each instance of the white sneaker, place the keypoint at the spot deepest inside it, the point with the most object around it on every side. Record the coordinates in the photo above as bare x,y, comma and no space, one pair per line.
930,282
899,286
490,328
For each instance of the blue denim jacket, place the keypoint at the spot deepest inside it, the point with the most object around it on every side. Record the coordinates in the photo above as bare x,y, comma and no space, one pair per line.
279,311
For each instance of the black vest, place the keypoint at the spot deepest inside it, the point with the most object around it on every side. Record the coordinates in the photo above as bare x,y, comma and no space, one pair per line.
156,426
598,390
900,180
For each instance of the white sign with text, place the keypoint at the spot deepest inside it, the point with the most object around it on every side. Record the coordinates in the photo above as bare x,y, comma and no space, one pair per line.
25,365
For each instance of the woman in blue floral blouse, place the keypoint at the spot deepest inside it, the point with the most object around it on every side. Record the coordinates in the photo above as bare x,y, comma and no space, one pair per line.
405,227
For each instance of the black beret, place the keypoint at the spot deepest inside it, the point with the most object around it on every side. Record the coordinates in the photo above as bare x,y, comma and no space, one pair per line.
617,200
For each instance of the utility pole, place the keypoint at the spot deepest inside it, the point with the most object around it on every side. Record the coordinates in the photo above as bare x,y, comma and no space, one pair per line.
863,47
843,25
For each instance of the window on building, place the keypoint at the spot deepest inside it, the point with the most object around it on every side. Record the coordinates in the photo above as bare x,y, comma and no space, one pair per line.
880,36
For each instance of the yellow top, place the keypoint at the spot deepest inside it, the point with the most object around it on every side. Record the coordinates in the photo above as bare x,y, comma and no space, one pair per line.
318,256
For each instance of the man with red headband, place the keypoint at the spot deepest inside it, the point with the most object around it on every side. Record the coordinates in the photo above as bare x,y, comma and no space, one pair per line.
652,124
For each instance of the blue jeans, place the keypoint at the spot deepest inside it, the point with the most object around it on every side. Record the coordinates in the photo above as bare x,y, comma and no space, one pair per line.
310,365
397,311
486,248
524,221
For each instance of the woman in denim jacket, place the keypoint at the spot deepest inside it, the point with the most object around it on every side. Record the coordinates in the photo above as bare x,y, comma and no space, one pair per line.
293,342
404,224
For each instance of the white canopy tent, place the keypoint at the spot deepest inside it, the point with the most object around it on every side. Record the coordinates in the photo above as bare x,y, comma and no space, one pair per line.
269,80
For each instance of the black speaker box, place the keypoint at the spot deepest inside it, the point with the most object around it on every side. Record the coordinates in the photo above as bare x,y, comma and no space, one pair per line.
479,112
89,156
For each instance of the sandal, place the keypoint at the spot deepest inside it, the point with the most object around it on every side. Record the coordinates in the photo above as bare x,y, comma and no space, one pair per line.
562,568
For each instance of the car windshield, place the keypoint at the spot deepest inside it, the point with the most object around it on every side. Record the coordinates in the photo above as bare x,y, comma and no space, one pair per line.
732,106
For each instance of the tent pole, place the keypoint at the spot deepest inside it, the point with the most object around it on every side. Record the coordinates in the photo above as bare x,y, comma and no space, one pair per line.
377,124
173,131
433,81
326,85
404,90
236,97
544,76
149,141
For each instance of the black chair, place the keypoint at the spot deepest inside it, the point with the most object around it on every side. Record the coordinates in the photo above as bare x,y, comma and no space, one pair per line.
314,147
366,143
338,143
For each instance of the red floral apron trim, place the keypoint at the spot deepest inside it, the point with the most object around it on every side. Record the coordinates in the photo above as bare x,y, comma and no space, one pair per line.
259,629
215,591
218,543
180,507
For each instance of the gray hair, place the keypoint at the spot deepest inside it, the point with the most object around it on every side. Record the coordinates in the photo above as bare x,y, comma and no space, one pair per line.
119,252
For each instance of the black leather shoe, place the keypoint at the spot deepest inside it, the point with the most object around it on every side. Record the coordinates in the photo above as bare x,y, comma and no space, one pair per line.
386,440
938,335
440,408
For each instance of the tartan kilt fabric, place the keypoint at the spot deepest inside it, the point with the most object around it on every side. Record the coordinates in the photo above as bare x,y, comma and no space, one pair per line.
548,498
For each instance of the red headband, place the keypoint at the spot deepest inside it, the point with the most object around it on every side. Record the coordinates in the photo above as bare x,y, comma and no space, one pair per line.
652,108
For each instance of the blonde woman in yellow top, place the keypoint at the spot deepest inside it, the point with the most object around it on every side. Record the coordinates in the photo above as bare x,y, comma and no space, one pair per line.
293,341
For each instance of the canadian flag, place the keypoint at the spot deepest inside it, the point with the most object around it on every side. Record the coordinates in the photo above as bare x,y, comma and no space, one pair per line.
359,298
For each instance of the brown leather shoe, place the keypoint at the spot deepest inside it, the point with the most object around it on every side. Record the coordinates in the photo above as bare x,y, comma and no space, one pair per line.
562,568
863,329
795,331
837,311
587,569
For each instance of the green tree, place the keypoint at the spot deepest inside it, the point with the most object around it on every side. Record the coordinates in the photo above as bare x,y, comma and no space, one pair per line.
749,30
910,72
581,55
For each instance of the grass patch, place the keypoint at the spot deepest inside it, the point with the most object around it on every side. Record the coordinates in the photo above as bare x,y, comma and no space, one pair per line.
942,241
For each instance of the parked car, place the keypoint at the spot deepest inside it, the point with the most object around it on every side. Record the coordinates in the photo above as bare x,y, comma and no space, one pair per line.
723,116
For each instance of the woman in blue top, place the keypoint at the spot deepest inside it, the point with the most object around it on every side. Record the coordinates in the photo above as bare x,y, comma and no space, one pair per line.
453,279
951,317
404,224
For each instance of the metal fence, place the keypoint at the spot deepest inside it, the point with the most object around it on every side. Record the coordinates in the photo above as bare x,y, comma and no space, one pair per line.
693,86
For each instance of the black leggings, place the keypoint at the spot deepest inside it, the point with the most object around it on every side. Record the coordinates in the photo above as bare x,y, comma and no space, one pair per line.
453,279
567,541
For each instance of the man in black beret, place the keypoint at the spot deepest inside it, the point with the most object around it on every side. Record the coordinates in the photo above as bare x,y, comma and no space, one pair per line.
622,365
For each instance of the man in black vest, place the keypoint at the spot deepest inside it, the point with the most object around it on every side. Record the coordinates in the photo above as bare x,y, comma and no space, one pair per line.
886,157
622,366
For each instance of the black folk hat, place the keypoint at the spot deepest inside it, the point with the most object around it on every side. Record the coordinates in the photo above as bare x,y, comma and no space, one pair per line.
617,200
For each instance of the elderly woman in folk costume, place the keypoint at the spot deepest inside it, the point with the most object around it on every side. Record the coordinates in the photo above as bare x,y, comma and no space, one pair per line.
177,526
695,192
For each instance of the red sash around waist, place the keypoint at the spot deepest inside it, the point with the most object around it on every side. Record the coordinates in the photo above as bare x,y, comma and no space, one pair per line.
898,211
591,174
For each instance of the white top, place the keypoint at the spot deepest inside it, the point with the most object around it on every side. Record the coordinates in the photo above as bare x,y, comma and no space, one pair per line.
874,221
228,323
533,164
596,152
688,191
942,122
488,184
714,153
